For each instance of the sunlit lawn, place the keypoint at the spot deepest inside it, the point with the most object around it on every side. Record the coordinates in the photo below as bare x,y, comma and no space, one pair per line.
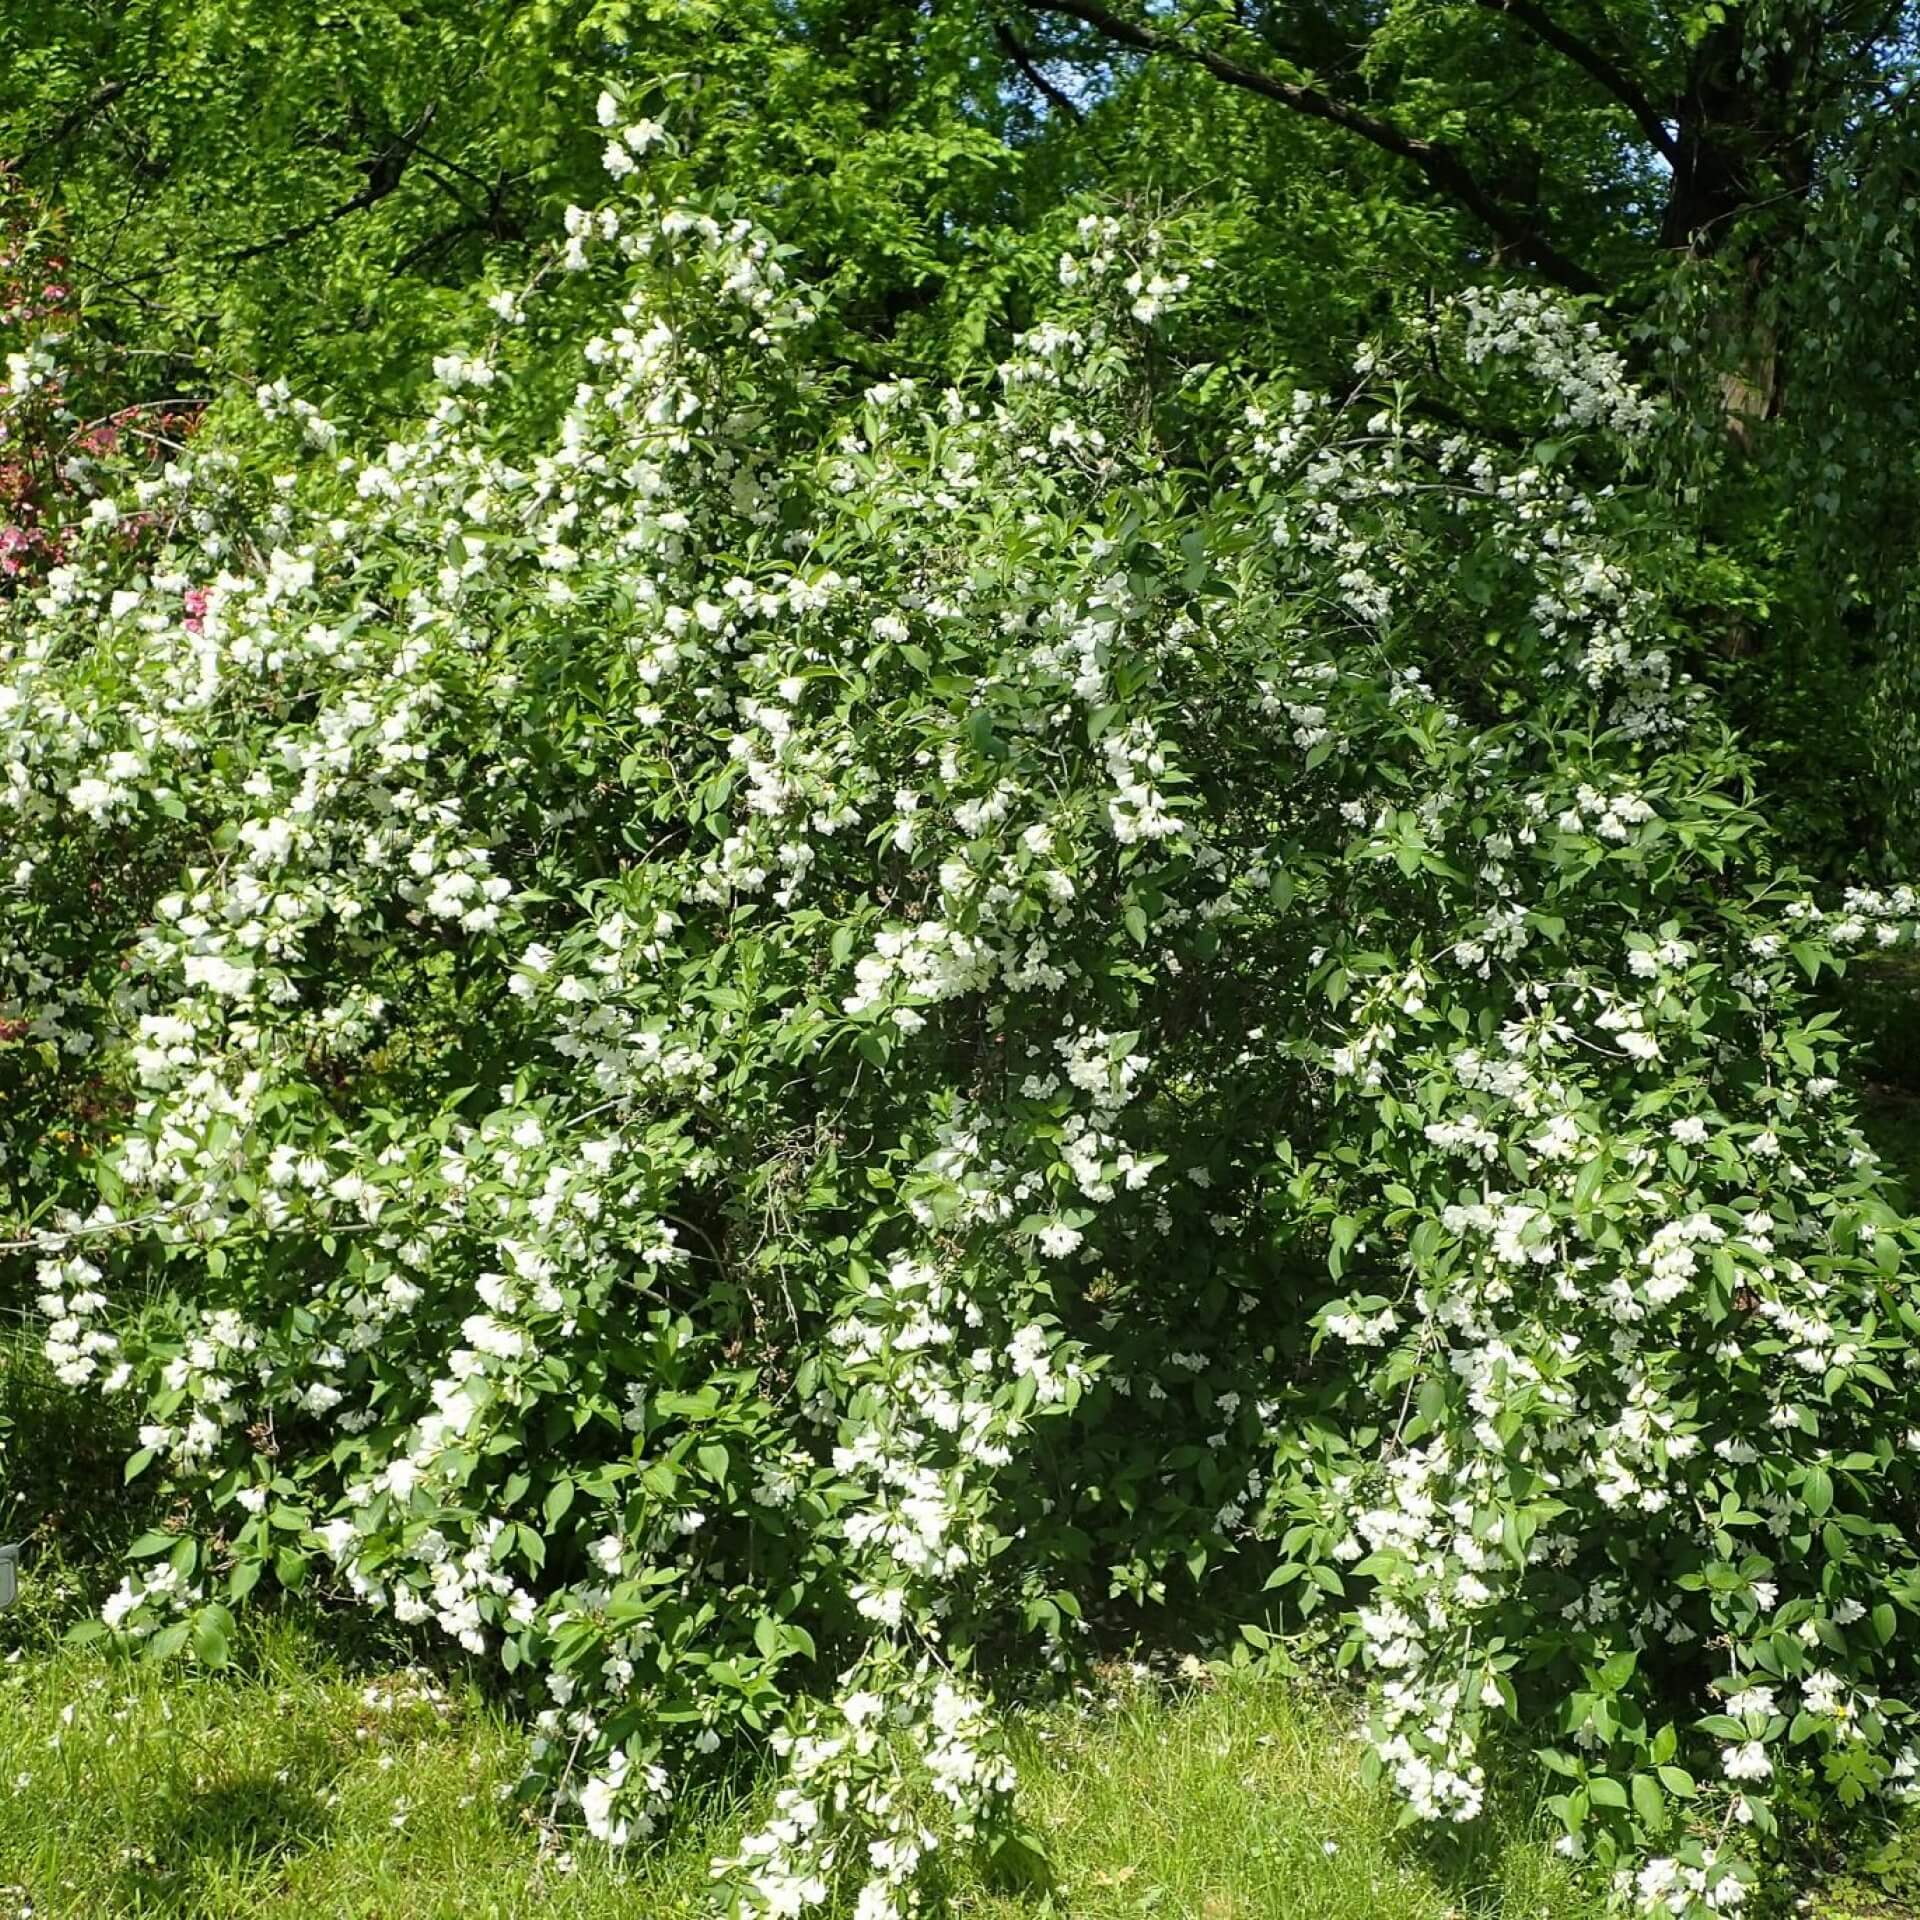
299,1785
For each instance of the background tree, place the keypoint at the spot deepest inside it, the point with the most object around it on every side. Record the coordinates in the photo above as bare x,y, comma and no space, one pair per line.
1732,185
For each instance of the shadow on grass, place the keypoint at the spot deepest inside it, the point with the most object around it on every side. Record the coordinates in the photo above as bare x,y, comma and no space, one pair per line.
241,1830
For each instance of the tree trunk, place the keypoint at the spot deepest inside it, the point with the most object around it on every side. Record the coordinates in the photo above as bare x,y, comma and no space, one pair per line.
1744,145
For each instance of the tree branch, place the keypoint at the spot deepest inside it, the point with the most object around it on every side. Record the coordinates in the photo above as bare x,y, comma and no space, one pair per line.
384,171
1442,165
434,242
1022,57
96,102
1591,61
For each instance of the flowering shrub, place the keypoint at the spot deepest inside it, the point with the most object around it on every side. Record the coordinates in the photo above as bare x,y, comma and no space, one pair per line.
56,420
755,1038
64,423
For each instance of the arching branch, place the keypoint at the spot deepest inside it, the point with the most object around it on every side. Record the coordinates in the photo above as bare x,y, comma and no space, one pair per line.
94,104
1021,55
1591,61
384,172
1442,165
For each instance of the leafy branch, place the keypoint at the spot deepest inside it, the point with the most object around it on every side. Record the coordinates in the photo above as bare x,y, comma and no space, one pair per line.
1443,165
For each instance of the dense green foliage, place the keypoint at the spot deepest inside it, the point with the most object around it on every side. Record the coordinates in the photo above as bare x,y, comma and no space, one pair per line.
269,188
1032,833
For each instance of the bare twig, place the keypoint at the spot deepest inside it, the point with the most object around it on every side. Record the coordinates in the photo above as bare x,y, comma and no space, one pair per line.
1022,57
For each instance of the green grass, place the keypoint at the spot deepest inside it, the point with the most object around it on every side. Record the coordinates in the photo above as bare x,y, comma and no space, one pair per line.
299,1784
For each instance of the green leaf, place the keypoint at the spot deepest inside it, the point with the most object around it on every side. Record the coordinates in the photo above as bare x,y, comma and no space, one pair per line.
213,1635
167,1642
697,1406
1649,1804
1017,1859
1617,1670
1592,1177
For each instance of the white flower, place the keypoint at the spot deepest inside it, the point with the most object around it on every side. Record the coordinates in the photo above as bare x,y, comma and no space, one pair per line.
862,1707
92,796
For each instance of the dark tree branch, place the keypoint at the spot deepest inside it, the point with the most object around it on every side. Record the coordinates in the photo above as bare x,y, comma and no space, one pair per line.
1591,61
452,166
1443,166
447,187
1022,57
434,242
375,189
1313,41
131,287
384,173
97,102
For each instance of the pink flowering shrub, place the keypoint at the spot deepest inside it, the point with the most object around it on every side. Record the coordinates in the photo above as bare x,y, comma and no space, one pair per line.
56,374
